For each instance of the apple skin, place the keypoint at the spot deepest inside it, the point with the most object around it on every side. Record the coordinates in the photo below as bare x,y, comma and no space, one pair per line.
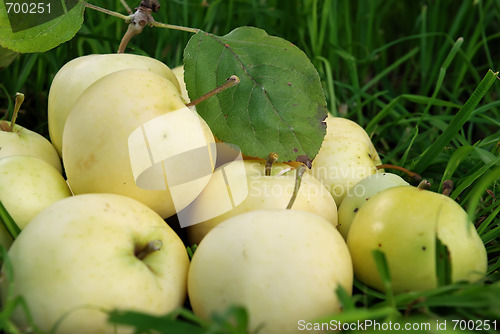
77,258
402,222
96,136
361,193
179,74
346,156
27,186
282,265
78,74
264,192
22,141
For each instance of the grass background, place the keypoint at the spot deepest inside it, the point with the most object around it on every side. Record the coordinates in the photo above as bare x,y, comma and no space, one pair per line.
401,69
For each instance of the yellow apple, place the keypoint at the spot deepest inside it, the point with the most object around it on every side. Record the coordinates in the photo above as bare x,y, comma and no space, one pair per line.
88,254
22,141
179,74
346,156
131,134
241,186
27,186
361,193
283,266
403,222
78,74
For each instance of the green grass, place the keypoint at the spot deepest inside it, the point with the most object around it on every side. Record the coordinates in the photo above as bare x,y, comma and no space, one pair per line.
417,77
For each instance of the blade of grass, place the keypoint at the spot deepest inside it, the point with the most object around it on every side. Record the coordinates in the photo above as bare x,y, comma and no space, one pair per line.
9,223
462,116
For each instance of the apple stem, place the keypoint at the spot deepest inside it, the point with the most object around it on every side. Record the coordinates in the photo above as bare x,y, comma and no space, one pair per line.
150,247
107,11
175,27
138,20
271,158
230,82
411,174
424,184
447,187
19,101
298,179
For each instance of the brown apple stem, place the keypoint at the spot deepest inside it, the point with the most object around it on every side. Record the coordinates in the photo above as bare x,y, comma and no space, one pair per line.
298,179
411,174
447,187
150,247
107,11
231,82
424,184
174,27
132,30
17,106
271,158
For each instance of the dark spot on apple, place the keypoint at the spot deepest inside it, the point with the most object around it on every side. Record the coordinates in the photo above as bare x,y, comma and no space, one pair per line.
380,245
367,198
424,248
370,155
295,150
356,209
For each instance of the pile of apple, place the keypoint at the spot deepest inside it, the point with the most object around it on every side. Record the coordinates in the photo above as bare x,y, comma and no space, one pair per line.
96,239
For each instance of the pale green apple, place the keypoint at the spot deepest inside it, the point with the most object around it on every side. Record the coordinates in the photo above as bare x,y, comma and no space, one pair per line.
85,255
403,222
78,74
362,192
282,265
126,130
244,185
179,74
346,156
27,186
22,141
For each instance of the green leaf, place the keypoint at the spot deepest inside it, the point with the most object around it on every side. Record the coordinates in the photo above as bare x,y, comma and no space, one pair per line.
28,27
279,105
144,323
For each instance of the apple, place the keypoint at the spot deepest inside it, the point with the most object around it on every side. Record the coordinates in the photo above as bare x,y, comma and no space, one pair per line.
131,134
403,222
179,74
250,189
282,265
88,254
78,74
17,140
346,156
362,192
27,186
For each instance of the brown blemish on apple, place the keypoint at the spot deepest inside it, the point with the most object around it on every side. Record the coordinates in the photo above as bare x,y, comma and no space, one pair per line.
4,126
88,162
